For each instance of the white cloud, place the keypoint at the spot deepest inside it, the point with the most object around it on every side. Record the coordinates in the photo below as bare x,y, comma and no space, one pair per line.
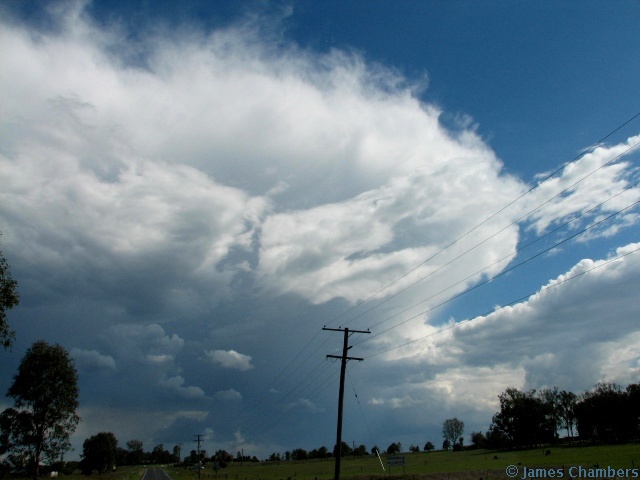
92,359
228,395
148,342
542,342
219,167
176,384
582,185
230,359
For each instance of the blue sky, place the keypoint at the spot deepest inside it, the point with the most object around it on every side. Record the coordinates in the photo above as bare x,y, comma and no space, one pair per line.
191,191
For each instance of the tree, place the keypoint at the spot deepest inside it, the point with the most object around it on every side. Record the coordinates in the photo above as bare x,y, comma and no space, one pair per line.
345,450
553,420
605,414
299,454
393,448
45,391
452,429
429,446
99,452
524,420
176,453
360,451
567,406
8,299
224,458
446,444
478,439
136,452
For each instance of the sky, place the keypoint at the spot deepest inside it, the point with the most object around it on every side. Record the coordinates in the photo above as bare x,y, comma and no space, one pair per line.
192,190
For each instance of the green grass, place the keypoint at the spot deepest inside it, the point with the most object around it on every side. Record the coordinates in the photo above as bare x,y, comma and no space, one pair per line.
477,461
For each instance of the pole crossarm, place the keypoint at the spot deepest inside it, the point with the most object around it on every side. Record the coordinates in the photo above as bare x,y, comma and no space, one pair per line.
343,367
346,358
345,330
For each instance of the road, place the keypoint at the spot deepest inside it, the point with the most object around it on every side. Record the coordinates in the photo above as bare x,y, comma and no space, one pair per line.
155,473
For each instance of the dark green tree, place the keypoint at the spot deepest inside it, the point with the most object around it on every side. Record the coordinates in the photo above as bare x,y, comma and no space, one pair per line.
429,446
99,453
567,405
345,451
605,414
452,430
393,448
136,452
8,299
45,393
299,454
523,420
478,439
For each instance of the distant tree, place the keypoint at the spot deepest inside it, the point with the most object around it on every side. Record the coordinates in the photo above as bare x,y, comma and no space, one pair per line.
136,452
360,451
550,397
393,448
633,401
99,453
605,414
345,451
567,405
9,298
496,437
224,458
322,452
452,429
523,419
458,445
375,450
121,456
446,444
45,393
414,448
299,454
159,455
429,446
478,439
176,453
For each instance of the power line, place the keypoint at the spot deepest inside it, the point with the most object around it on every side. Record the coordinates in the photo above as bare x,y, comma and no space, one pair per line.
551,175
297,366
343,367
441,267
558,283
520,249
504,272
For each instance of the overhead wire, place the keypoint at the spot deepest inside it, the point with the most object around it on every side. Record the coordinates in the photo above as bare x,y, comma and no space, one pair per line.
521,299
502,273
549,176
299,365
522,248
514,222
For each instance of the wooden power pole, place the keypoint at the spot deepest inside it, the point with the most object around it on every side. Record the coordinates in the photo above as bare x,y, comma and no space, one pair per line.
343,369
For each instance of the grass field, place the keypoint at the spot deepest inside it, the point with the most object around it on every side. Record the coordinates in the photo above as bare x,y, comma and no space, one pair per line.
469,464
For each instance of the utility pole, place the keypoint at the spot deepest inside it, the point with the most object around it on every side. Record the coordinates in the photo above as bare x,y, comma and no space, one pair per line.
343,369
199,461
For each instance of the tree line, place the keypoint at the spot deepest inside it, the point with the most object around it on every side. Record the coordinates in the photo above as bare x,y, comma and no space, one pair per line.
607,413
